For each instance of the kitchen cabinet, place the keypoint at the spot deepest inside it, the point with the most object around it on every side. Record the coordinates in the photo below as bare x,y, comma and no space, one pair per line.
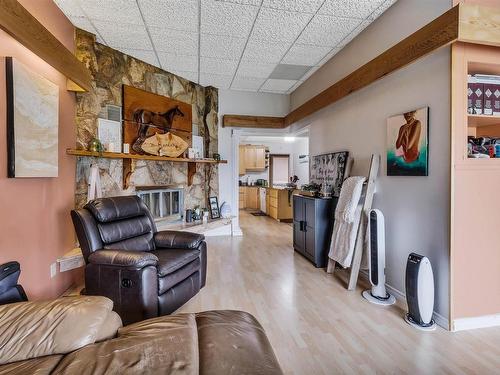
242,169
280,207
312,227
249,197
252,158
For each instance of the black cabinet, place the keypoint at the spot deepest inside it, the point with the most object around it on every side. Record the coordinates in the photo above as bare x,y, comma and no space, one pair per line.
312,227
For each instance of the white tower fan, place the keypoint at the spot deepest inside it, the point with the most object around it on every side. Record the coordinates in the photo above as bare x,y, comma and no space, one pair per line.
420,292
376,260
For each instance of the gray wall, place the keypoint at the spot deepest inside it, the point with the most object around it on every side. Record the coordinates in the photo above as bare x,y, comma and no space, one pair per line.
416,208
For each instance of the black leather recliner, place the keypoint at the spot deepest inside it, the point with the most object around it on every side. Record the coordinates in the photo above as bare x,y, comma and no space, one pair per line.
145,272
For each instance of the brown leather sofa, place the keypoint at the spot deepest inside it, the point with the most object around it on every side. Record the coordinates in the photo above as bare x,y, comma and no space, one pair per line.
145,273
82,335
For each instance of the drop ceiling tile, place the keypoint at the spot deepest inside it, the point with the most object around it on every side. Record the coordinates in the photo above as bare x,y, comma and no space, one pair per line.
116,11
309,73
242,2
304,6
225,18
221,46
144,55
327,30
255,70
172,14
278,84
303,54
350,8
172,62
381,9
265,50
279,92
123,35
174,41
70,8
279,25
218,66
221,81
248,83
354,33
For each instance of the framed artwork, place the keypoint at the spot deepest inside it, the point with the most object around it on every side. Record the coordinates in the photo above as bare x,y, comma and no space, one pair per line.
408,143
154,124
214,207
109,131
32,122
329,170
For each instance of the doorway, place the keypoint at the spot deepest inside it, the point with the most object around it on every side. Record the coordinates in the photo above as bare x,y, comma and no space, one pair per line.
279,170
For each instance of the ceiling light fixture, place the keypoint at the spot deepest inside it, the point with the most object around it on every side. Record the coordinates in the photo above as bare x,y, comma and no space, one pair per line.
289,139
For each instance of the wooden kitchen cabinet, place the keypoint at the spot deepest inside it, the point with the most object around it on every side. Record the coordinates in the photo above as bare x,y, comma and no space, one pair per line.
280,207
242,166
252,158
252,197
249,197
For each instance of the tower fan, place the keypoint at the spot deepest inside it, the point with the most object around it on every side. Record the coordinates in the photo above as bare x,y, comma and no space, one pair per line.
376,260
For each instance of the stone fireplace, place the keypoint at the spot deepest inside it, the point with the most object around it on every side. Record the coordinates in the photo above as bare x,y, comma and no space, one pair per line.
111,69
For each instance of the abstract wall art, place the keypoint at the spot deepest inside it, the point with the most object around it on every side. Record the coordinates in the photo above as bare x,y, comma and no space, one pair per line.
408,143
32,122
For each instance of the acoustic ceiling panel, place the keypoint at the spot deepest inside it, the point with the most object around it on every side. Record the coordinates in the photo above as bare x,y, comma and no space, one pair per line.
228,43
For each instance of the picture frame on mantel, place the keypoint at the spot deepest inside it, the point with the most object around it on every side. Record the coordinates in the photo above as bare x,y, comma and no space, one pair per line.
32,122
214,207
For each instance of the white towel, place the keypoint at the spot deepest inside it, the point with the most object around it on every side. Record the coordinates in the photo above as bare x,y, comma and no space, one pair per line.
346,224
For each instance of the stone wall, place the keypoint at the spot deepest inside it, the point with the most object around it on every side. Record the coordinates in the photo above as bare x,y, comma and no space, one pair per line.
110,69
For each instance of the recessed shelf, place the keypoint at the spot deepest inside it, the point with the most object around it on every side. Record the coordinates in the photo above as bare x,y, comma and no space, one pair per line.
475,121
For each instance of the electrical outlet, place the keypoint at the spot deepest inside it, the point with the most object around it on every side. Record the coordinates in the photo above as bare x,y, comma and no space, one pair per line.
53,270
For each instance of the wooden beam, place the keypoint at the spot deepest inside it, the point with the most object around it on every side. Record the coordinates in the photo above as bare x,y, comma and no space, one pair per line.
27,30
439,33
262,122
479,24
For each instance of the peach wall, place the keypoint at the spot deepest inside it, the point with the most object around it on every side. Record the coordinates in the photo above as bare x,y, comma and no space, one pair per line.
35,225
475,251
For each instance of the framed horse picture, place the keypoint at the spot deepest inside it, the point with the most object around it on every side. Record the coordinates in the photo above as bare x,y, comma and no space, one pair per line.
155,124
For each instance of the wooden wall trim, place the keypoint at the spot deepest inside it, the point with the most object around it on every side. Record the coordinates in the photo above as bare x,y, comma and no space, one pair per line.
27,30
262,122
439,33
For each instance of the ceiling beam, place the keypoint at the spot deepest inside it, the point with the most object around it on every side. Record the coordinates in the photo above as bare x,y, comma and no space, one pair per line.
16,21
440,32
261,122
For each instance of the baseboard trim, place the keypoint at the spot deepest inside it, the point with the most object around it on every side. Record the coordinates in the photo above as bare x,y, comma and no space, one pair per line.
401,297
237,231
485,321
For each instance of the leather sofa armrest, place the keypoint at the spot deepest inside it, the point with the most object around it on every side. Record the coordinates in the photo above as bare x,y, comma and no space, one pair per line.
122,258
178,240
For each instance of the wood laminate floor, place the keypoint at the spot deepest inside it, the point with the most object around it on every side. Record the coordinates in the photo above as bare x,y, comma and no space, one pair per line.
315,325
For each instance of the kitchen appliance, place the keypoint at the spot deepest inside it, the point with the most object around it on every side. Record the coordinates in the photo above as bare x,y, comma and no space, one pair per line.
262,199
420,292
376,260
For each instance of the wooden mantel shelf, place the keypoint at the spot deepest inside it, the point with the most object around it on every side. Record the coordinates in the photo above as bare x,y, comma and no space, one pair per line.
129,162
119,155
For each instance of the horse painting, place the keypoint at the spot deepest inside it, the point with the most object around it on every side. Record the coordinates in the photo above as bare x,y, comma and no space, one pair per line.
145,119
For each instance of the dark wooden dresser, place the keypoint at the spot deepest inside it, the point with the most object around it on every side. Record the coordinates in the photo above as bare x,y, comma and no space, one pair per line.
312,227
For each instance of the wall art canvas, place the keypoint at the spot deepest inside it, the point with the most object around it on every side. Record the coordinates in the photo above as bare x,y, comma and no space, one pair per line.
32,122
329,170
154,124
408,143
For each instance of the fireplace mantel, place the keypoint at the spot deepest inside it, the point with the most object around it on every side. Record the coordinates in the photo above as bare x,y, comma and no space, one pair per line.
129,161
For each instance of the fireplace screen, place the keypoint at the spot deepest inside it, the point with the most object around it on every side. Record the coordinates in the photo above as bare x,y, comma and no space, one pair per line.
163,203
